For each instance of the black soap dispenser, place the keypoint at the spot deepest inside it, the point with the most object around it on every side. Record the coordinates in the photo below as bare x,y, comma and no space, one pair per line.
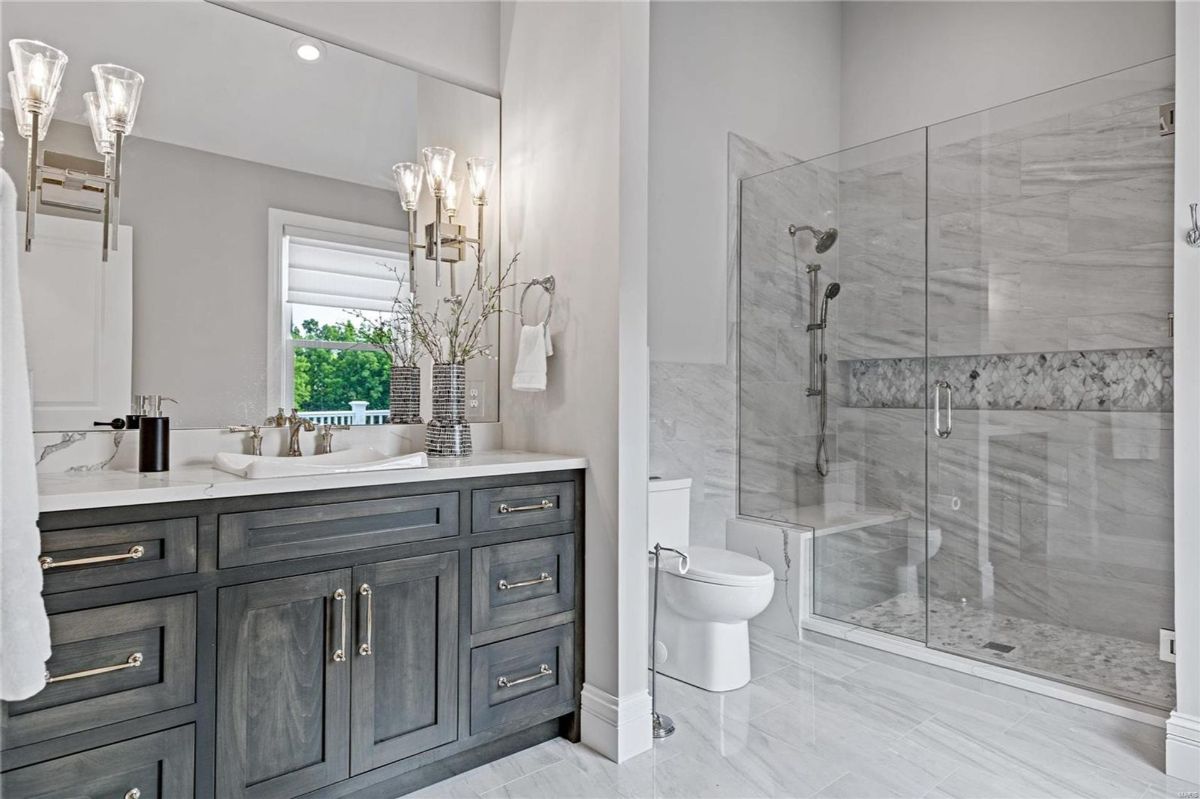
154,435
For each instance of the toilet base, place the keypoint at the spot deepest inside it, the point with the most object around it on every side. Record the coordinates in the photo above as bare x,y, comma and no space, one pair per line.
711,655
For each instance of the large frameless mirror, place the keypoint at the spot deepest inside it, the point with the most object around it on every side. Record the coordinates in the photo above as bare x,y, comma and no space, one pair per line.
260,228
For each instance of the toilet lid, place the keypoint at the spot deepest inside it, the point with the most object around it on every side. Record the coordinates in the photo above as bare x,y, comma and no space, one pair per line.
722,567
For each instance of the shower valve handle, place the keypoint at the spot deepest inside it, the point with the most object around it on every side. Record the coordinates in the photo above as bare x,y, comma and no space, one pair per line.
1193,236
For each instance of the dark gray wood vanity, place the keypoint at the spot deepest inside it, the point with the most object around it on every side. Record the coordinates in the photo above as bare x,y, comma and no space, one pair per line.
360,641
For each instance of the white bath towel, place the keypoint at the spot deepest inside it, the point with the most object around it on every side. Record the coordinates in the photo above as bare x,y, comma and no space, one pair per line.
24,628
532,351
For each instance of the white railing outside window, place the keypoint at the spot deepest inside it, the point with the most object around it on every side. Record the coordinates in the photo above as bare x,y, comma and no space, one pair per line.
358,414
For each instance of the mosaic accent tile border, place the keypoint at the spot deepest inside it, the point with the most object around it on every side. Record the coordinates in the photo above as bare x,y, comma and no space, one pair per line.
1106,380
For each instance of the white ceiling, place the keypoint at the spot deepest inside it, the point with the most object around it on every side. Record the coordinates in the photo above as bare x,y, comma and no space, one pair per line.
454,41
221,81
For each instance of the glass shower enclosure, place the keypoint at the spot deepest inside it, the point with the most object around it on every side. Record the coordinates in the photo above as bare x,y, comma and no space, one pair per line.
955,370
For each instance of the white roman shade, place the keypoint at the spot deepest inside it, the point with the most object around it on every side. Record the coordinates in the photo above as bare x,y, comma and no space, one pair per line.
340,271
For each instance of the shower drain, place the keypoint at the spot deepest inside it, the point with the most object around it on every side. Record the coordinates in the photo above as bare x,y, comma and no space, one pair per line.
999,647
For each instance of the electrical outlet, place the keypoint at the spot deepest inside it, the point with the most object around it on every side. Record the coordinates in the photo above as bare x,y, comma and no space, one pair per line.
1166,645
474,399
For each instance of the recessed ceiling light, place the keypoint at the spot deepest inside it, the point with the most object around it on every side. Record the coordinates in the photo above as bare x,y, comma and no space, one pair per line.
308,50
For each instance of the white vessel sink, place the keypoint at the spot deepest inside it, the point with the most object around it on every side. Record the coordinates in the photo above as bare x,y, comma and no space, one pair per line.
355,459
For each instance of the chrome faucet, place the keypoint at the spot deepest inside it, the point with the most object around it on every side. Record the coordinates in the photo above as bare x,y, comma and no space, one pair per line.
295,423
325,437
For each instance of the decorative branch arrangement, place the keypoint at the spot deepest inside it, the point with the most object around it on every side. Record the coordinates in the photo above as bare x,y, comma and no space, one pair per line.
451,333
454,337
393,331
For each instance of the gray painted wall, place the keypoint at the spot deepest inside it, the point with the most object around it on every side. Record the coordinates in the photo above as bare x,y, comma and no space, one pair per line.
200,265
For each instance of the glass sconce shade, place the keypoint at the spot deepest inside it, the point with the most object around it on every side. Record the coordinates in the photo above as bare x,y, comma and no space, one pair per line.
25,118
120,91
452,194
480,171
408,182
102,137
38,72
439,163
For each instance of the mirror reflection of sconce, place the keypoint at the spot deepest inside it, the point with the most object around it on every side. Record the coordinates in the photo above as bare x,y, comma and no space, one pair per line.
445,241
34,84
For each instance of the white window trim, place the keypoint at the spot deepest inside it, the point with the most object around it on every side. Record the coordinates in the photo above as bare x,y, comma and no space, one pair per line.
279,333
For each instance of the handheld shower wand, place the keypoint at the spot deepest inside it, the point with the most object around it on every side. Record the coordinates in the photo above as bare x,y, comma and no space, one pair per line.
822,391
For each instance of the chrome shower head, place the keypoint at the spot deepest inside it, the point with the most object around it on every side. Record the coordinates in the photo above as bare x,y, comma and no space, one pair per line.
825,239
832,289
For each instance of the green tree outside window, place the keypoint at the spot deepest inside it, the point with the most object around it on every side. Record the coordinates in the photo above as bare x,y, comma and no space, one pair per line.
329,379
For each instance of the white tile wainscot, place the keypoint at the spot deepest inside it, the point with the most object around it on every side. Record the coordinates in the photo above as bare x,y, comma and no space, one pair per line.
787,551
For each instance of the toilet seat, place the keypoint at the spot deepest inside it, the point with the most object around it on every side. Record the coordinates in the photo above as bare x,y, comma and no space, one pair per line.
723,567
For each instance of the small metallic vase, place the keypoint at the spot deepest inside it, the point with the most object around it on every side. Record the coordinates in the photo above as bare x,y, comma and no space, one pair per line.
448,435
404,395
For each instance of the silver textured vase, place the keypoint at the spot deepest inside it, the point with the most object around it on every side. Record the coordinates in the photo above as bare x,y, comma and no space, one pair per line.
404,395
448,435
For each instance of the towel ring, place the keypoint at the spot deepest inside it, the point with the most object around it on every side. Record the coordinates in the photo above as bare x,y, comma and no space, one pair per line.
547,284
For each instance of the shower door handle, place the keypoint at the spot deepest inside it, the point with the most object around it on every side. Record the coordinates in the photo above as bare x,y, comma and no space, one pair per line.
943,432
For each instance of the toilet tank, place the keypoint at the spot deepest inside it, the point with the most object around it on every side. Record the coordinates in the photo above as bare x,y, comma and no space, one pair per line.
670,504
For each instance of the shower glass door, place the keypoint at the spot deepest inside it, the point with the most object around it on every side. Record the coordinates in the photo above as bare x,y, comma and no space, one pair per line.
832,259
965,394
1050,285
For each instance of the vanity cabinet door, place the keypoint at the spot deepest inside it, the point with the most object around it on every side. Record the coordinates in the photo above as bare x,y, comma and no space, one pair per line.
283,687
405,654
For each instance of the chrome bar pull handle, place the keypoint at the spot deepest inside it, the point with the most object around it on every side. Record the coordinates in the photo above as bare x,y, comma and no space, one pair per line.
943,432
134,553
543,671
131,662
544,577
339,654
545,504
365,592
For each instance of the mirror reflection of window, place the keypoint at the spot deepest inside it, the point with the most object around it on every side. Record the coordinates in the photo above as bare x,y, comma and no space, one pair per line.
336,285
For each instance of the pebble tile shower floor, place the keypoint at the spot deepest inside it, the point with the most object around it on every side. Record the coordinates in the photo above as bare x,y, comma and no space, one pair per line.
818,721
1106,663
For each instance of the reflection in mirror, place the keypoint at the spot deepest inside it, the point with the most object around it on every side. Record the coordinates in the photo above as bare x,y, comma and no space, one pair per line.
261,230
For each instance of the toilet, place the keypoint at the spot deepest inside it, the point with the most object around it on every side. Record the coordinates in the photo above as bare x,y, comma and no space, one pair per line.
704,613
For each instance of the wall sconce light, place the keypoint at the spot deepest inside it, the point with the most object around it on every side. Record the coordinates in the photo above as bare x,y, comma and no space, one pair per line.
34,84
445,241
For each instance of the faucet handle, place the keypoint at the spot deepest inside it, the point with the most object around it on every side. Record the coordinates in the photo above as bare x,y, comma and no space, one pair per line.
278,420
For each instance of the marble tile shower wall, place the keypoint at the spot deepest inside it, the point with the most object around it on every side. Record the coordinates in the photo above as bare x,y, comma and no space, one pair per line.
777,422
1049,285
1048,273
694,406
1056,516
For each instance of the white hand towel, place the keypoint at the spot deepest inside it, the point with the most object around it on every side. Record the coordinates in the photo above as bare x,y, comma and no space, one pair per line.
24,628
534,346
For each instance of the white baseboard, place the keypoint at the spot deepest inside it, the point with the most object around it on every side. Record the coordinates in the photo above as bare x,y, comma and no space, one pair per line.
618,728
1183,747
986,671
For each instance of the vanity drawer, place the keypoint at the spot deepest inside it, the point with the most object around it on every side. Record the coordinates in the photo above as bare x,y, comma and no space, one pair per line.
110,664
522,580
521,506
88,557
158,766
514,679
271,535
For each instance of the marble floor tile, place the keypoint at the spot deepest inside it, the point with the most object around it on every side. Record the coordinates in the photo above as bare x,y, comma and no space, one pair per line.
877,730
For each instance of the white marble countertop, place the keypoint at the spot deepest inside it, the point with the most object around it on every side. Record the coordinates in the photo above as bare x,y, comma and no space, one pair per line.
106,488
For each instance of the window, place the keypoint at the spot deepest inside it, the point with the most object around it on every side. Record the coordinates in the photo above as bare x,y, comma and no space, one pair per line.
330,275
